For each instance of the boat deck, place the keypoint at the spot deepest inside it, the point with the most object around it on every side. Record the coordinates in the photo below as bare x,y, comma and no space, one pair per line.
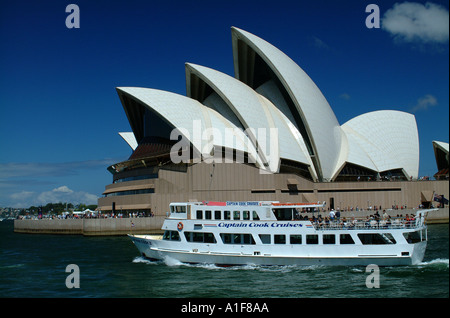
365,224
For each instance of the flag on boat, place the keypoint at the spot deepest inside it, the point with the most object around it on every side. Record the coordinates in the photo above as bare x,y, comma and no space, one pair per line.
440,198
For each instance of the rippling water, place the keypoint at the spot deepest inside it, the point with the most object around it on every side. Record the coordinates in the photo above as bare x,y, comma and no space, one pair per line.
34,266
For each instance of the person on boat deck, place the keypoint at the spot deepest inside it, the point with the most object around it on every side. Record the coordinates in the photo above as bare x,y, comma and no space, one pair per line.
388,221
321,222
332,214
377,216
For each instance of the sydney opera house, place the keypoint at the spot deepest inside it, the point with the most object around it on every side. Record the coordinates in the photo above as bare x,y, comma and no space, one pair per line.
268,133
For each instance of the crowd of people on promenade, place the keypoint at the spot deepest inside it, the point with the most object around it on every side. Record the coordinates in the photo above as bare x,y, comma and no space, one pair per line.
87,215
119,215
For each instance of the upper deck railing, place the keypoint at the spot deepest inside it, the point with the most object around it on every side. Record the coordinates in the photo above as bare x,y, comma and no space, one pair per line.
368,224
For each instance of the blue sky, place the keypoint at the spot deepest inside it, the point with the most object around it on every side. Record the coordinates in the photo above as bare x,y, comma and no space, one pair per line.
60,114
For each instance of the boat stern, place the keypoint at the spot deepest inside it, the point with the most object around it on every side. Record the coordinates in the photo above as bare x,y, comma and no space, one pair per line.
418,252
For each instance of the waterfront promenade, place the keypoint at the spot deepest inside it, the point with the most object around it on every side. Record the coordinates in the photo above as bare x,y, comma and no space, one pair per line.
152,225
91,226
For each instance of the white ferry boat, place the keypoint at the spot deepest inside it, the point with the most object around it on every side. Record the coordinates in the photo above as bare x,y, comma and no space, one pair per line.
273,233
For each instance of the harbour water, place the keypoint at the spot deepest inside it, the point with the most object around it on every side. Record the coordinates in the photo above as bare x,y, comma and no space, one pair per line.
33,265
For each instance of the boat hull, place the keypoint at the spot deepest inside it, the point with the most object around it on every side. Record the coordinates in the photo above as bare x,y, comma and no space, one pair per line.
148,247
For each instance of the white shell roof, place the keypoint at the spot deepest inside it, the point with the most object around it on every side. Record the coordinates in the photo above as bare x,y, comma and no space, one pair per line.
254,111
356,154
319,118
197,122
290,142
389,138
441,144
130,139
242,101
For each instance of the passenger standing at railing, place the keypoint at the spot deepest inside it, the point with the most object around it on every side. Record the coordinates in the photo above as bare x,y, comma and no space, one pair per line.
377,215
332,214
388,221
412,221
321,222
367,223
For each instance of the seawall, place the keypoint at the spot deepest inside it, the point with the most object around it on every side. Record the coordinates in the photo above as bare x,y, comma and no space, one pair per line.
152,225
91,227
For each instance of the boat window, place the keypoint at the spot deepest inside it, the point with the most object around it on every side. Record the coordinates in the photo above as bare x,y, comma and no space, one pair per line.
279,239
246,215
237,238
389,237
200,237
412,237
247,239
217,215
255,216
346,239
329,239
312,239
296,239
198,226
171,236
208,215
174,236
226,238
209,238
227,215
374,239
180,209
199,215
166,235
283,214
265,238
236,215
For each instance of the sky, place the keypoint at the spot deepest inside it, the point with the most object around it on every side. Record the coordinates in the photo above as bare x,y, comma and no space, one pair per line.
60,114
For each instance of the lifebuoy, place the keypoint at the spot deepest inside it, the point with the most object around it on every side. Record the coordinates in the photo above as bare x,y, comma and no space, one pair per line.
180,226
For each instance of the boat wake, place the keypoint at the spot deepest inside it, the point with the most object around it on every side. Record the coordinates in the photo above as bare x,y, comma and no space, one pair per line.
169,261
436,262
141,259
247,267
